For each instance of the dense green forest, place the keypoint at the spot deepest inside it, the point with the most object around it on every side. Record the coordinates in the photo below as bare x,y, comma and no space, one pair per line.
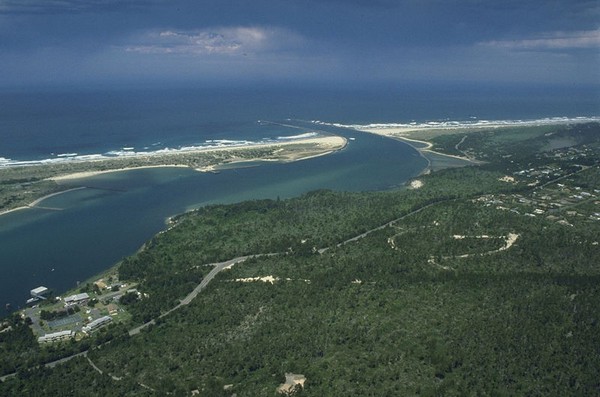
484,281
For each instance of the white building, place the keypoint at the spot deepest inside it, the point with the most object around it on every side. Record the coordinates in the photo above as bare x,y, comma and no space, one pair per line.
39,292
56,336
76,299
97,323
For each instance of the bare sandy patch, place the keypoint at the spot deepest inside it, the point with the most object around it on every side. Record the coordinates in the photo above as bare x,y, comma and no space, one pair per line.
509,241
266,279
292,382
416,184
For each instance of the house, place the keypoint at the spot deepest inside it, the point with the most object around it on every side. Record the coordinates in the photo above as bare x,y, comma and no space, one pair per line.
101,284
112,309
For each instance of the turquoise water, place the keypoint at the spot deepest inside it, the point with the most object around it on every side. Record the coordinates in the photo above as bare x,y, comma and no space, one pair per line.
119,211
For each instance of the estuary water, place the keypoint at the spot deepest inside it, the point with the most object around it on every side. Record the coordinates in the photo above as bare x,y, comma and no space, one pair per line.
91,229
117,212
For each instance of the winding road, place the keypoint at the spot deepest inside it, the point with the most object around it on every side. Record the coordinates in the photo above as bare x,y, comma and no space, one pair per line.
218,267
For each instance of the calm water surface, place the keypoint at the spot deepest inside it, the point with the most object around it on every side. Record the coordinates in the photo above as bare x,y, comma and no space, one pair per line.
113,217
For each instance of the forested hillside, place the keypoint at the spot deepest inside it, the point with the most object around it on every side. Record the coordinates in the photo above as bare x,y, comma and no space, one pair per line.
484,281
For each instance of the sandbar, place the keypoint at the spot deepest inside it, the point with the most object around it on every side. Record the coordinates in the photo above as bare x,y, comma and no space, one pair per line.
282,151
51,179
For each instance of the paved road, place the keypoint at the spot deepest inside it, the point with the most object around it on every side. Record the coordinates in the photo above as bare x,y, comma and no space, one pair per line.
390,223
217,267
48,365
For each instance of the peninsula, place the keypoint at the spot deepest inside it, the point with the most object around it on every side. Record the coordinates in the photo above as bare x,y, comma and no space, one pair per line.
24,186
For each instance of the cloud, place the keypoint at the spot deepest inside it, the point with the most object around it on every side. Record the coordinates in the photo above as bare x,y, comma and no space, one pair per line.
66,6
551,41
220,41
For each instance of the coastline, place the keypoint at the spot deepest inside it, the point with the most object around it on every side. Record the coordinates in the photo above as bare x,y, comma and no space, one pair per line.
417,134
324,144
201,159
435,160
87,174
34,203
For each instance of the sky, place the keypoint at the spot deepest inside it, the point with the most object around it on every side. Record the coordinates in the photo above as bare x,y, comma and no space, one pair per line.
82,42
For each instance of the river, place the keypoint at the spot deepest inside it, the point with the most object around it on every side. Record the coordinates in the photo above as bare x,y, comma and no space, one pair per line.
117,212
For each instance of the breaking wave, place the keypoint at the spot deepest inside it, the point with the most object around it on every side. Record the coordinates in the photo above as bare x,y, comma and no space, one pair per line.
129,152
474,123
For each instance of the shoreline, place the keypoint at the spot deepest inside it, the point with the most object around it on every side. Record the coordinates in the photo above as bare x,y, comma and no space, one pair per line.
34,203
406,133
284,152
330,144
88,174
400,128
425,151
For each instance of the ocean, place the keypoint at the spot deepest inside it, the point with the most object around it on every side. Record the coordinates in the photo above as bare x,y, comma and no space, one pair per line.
99,225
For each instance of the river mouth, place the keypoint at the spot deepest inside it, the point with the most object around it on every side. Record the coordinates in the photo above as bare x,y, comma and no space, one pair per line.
86,231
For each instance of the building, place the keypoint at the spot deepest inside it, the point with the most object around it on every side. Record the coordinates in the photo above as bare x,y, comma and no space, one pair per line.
76,299
97,323
112,309
39,292
101,284
56,336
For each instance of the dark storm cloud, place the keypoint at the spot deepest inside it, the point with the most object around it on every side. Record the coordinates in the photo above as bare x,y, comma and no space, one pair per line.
68,6
316,40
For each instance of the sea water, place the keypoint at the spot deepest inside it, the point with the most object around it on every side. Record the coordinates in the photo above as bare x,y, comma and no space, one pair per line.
117,212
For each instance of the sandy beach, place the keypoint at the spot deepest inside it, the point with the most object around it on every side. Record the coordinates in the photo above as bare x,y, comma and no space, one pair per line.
87,174
284,151
14,210
201,159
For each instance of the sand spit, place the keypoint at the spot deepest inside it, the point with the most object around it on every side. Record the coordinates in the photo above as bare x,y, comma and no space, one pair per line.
199,158
35,203
87,174
284,151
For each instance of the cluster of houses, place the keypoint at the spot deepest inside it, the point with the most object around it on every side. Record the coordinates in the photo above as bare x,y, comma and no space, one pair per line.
42,292
68,334
543,174
554,202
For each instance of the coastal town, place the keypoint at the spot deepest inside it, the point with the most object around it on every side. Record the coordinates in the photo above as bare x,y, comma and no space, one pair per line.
561,190
78,315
